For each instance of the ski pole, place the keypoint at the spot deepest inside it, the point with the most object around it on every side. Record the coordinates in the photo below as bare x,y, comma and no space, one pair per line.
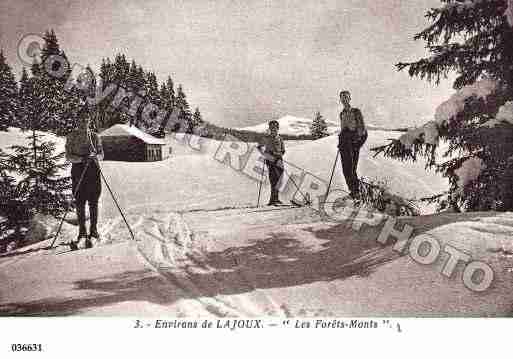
260,186
95,160
307,201
331,177
67,207
115,201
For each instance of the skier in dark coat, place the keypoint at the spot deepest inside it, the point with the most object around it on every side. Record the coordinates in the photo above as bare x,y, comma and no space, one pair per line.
273,149
353,135
83,150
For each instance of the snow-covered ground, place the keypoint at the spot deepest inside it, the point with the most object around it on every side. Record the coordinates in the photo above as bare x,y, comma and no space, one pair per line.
202,249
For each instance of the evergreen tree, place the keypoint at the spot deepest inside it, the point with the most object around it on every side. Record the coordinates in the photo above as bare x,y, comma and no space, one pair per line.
88,77
132,81
121,69
121,76
8,95
106,77
136,80
32,103
319,127
474,40
171,99
185,116
23,100
54,104
197,119
29,105
39,186
151,90
31,173
12,213
164,96
51,46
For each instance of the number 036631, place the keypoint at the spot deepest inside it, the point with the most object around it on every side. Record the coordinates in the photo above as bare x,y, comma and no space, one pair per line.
26,347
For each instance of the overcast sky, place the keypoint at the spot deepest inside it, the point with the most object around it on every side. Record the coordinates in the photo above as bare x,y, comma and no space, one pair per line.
245,62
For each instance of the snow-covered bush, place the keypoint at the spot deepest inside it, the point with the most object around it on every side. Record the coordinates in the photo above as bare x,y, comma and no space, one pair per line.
376,194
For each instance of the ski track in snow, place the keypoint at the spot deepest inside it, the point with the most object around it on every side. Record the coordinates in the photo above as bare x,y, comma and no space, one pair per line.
169,247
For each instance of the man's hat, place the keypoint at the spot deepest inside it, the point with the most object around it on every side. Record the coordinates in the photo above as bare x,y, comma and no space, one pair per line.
274,123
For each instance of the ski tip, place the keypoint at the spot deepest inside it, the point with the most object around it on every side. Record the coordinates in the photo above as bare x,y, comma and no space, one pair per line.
299,204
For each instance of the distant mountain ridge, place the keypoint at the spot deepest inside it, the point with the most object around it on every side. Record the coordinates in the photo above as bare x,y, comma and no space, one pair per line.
292,125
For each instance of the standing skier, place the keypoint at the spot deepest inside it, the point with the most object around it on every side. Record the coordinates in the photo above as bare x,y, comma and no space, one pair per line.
353,135
83,150
273,150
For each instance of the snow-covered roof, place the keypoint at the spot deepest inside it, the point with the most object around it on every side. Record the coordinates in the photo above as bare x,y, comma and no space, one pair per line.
126,130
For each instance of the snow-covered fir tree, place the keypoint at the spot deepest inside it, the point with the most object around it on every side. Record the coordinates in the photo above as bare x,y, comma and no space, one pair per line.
32,182
26,107
185,116
8,95
168,99
474,40
197,119
55,104
319,127
171,88
140,83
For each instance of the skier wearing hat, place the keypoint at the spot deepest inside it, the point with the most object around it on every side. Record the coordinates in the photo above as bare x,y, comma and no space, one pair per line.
273,149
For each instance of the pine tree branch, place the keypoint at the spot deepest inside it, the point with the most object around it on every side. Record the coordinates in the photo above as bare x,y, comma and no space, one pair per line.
396,150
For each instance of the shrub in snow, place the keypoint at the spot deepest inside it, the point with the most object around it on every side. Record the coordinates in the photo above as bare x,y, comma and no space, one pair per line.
376,195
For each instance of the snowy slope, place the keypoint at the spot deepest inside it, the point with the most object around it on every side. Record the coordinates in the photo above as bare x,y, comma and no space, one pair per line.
189,261
215,265
194,179
407,179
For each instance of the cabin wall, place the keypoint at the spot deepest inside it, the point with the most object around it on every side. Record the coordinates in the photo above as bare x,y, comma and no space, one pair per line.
123,148
154,152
